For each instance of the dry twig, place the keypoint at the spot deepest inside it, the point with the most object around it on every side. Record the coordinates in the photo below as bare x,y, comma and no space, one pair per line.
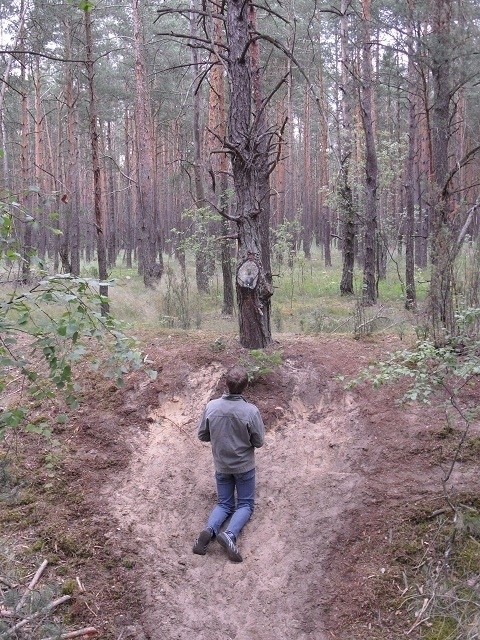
37,614
32,584
87,632
420,620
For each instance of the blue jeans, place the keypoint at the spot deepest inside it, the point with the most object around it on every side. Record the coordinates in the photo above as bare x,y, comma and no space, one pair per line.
244,483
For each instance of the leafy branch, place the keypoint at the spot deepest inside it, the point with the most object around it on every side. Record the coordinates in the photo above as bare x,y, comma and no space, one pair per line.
46,332
434,371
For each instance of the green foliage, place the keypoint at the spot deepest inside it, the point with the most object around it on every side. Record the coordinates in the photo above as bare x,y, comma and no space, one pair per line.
46,332
284,238
176,302
197,234
260,363
442,628
9,244
448,601
425,366
86,5
429,367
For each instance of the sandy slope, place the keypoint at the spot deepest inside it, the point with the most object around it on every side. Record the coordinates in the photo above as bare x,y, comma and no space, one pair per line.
306,486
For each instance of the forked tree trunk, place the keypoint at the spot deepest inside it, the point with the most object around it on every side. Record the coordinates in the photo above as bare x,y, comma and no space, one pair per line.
248,156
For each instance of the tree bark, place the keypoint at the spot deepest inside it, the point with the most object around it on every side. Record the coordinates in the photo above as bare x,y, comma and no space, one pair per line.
204,261
347,208
26,173
73,165
246,146
307,217
410,290
371,165
111,201
443,245
129,207
92,115
149,234
218,163
259,128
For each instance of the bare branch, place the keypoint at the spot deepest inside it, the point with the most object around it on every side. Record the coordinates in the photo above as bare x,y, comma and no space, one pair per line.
14,52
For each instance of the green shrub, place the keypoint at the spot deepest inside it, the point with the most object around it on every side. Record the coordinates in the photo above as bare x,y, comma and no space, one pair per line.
260,363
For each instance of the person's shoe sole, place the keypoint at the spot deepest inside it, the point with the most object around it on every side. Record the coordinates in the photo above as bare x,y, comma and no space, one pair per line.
230,547
202,542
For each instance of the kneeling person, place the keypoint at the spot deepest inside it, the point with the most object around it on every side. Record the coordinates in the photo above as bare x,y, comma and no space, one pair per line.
235,429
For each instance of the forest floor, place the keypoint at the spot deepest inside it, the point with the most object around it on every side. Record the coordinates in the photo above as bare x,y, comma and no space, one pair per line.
341,476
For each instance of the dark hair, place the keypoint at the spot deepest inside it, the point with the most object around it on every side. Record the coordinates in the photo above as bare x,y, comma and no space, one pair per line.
237,380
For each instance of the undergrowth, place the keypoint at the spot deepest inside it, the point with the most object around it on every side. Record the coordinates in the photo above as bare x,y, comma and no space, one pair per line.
442,576
260,363
306,300
442,580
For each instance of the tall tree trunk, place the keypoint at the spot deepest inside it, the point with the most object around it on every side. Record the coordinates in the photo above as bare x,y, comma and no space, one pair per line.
3,88
263,143
371,165
307,218
92,116
26,173
347,208
443,254
149,234
410,290
129,241
111,204
39,164
73,165
246,146
218,164
204,262
323,176
422,176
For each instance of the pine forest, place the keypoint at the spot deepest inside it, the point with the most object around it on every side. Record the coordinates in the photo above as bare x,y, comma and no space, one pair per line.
230,138
272,202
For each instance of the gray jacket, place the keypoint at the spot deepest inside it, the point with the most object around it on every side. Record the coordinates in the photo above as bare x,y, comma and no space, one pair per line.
235,428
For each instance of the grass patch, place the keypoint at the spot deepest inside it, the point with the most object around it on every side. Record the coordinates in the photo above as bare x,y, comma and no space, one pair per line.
442,628
306,299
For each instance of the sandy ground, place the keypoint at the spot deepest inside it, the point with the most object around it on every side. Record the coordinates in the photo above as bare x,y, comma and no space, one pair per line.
337,469
309,483
305,487
341,475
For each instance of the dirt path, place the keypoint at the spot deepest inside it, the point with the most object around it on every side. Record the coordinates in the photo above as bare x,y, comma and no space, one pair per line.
308,481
